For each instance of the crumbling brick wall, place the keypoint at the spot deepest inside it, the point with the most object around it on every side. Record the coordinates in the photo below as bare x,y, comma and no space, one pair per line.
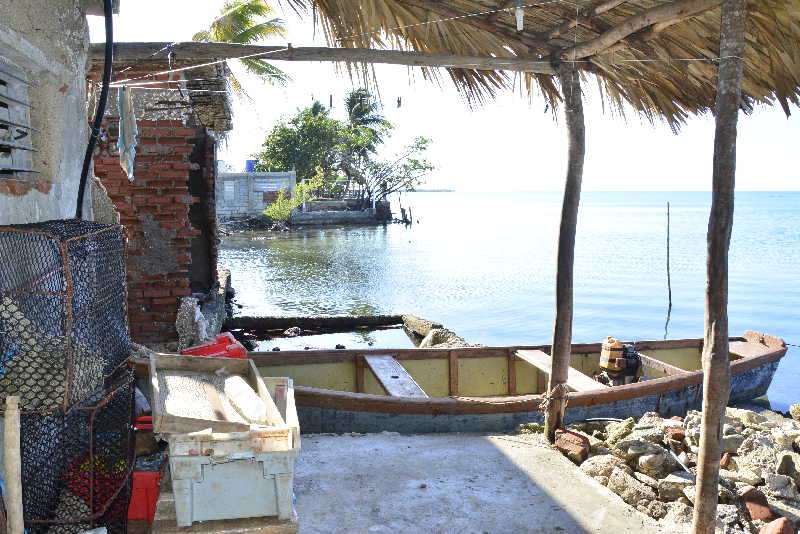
174,169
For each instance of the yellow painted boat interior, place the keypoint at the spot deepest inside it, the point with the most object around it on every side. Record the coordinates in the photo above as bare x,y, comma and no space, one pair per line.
477,376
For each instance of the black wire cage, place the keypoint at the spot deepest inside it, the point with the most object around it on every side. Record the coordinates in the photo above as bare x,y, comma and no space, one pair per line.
64,346
63,312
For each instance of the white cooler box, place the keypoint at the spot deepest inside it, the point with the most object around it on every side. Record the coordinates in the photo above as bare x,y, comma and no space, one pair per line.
237,474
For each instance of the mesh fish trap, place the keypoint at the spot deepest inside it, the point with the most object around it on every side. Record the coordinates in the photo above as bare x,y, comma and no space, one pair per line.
77,465
63,311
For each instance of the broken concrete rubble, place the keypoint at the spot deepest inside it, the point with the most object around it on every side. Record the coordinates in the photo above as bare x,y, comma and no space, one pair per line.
758,481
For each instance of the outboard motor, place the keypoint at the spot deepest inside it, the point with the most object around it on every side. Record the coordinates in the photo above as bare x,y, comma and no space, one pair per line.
620,364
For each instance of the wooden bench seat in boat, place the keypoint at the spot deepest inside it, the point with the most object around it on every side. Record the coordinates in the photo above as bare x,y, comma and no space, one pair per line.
394,377
747,349
575,379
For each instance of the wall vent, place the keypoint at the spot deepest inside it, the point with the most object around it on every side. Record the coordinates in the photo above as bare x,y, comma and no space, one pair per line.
16,133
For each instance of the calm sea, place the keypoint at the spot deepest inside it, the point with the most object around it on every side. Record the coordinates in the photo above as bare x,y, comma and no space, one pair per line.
483,265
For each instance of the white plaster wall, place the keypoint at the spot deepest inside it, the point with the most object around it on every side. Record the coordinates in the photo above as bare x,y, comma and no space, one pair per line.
50,41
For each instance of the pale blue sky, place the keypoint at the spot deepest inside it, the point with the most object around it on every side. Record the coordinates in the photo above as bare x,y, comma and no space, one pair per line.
507,144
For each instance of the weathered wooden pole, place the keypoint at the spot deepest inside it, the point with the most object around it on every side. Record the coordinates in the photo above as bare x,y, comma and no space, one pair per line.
569,78
13,468
716,359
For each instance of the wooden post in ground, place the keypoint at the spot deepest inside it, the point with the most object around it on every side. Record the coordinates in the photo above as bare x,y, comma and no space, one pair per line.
569,79
13,468
716,359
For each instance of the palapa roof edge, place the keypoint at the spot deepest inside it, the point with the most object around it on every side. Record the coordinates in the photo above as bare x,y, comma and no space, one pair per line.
657,56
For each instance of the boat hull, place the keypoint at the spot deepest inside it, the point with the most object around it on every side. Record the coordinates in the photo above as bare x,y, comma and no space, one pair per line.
332,411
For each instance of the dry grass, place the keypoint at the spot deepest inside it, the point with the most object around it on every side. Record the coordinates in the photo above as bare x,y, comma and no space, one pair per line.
666,88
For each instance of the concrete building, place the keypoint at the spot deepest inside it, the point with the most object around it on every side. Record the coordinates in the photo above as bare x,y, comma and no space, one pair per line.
246,194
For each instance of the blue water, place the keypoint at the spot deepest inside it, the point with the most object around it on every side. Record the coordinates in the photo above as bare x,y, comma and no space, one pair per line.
483,264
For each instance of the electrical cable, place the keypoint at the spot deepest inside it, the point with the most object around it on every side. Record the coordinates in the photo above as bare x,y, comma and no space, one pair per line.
101,106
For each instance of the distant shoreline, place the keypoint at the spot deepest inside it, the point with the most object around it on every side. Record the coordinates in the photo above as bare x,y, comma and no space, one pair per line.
432,191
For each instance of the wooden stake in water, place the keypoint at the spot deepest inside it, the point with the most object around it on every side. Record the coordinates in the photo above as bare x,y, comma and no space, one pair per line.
669,281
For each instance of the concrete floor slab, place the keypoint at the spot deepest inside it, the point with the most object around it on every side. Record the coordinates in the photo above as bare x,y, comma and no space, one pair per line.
451,483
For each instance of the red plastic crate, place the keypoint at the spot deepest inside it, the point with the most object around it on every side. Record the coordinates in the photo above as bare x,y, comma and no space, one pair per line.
146,487
226,346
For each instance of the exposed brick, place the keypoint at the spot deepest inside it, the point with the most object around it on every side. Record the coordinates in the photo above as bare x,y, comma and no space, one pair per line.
779,526
756,503
155,293
572,445
182,292
166,300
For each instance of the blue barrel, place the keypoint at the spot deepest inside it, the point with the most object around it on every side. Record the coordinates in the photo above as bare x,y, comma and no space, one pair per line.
250,165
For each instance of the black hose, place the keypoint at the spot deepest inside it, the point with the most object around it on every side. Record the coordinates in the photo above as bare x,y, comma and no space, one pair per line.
101,105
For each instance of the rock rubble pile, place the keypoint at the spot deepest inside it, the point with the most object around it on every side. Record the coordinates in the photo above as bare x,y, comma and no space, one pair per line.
651,464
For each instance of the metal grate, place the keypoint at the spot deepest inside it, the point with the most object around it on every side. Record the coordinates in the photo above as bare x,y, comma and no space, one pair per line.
76,466
16,144
63,314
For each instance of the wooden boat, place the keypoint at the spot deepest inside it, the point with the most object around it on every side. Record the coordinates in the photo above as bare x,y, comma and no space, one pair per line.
490,389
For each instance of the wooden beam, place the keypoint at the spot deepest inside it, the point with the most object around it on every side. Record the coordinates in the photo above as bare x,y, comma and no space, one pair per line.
675,11
716,358
512,373
359,361
501,7
452,373
143,52
575,379
658,365
394,377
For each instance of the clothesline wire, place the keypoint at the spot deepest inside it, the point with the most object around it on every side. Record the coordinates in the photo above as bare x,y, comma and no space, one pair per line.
457,17
217,62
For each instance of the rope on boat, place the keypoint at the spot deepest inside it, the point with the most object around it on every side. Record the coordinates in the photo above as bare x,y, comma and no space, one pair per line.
559,391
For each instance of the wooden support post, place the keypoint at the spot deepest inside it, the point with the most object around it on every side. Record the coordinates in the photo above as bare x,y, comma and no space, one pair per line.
569,78
359,361
716,358
452,373
13,468
512,372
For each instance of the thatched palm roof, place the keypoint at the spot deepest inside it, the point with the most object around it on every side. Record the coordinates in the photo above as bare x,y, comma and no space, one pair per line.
656,55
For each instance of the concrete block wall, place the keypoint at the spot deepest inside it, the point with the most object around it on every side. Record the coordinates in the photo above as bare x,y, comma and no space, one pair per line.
48,42
155,210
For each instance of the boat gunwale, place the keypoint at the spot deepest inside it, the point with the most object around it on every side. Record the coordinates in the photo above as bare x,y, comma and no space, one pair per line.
365,402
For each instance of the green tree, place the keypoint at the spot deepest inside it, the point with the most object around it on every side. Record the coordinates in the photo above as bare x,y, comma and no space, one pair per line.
307,142
379,178
363,116
248,22
284,204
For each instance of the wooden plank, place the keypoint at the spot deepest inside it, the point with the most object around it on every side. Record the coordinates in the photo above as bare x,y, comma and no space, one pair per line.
658,365
452,373
359,361
394,377
575,379
512,374
747,349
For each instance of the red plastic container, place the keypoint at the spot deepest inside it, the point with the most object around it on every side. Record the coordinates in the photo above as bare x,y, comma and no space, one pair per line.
146,487
226,346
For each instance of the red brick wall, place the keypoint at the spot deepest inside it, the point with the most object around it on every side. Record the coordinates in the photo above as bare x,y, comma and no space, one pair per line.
154,209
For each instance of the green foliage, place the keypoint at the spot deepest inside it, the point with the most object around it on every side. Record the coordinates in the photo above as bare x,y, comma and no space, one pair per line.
247,22
404,172
309,141
284,205
342,153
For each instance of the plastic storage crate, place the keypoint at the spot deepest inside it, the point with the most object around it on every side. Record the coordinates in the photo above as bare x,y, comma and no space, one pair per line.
240,474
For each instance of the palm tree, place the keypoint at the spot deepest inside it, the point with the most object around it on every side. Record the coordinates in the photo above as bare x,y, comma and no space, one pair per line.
247,22
363,112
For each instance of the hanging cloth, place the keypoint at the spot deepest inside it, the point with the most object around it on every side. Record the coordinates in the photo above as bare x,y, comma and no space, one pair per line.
128,131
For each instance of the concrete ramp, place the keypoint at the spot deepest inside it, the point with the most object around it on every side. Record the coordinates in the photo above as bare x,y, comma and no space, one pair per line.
451,483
